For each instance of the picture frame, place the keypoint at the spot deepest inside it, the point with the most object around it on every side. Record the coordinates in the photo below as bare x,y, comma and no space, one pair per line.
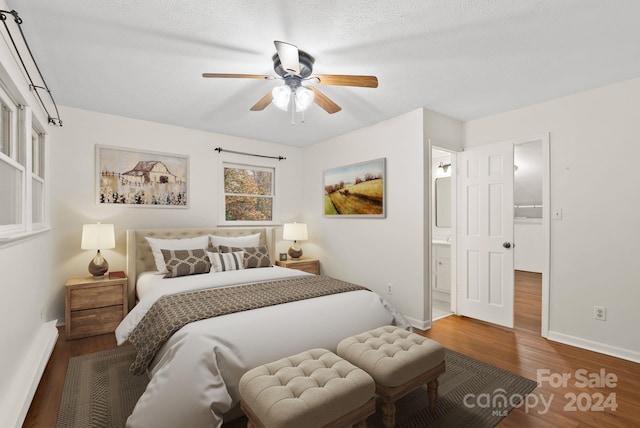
283,257
141,178
355,190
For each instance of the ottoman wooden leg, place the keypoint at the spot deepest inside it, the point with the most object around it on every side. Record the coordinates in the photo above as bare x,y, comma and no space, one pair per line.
432,391
388,414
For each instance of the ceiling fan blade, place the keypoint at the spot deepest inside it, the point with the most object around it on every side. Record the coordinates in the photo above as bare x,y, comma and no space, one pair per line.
347,80
323,101
240,76
289,56
263,103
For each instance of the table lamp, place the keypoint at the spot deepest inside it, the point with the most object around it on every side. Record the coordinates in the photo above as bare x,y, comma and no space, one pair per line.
98,237
295,232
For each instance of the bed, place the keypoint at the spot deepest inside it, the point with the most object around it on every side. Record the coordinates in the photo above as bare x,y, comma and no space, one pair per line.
194,374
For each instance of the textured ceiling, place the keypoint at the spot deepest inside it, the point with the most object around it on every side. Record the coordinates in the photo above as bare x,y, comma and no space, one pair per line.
465,59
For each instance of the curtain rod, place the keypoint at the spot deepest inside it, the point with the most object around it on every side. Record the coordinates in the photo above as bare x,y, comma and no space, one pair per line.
220,150
32,86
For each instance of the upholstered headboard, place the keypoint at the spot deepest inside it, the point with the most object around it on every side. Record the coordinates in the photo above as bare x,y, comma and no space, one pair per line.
140,259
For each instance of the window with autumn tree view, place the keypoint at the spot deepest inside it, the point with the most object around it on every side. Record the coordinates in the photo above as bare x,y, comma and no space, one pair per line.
248,193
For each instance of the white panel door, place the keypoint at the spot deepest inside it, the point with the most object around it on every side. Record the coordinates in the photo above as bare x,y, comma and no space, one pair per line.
485,233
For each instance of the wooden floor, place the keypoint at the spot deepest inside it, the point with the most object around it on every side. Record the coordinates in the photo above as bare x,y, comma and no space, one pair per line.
527,302
523,351
44,407
520,350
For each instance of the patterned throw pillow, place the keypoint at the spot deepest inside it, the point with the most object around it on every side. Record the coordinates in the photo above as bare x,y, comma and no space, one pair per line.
221,262
254,257
186,262
158,244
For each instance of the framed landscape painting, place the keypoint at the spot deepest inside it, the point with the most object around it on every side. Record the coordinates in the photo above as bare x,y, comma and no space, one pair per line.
141,178
356,190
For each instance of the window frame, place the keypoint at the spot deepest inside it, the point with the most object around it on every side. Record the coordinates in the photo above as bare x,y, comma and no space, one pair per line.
12,106
39,175
263,165
24,124
10,160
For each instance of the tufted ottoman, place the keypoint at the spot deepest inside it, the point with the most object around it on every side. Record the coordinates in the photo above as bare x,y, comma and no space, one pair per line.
399,361
315,388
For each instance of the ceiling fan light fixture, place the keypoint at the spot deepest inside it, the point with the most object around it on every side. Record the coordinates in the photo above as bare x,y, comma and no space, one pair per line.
281,97
295,68
304,98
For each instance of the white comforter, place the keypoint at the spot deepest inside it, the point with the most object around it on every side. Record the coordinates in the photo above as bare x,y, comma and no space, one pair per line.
195,374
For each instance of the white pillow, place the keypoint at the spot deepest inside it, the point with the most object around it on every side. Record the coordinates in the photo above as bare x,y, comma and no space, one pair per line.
235,241
221,262
157,245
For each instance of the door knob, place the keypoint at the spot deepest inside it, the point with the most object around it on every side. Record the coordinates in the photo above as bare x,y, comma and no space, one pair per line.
506,244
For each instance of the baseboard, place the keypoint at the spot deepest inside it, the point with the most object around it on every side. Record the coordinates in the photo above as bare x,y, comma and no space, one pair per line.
420,325
601,348
14,409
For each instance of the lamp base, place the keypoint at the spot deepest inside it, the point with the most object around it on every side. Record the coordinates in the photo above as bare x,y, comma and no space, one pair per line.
295,253
98,266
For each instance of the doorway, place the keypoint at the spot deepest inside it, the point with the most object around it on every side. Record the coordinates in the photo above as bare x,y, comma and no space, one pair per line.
539,205
528,231
442,232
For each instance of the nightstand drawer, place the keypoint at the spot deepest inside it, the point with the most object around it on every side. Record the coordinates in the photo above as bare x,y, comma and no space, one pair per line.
310,267
95,297
95,321
304,264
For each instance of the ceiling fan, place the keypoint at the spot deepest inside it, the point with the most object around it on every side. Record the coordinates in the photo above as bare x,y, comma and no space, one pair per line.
295,67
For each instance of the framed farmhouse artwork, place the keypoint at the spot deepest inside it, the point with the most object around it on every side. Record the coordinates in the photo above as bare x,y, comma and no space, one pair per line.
141,178
356,190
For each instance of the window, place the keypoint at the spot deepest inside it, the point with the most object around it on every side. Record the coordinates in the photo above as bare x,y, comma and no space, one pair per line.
11,171
22,170
248,193
37,177
6,130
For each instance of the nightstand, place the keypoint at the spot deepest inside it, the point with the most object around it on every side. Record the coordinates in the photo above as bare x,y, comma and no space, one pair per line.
305,264
94,306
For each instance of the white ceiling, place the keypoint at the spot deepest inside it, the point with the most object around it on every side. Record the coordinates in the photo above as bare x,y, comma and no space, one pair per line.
466,59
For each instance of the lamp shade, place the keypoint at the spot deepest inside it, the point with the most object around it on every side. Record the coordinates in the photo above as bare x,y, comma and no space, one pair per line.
98,237
281,96
294,232
304,98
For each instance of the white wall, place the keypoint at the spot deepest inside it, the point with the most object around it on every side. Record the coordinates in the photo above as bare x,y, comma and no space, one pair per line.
594,150
73,188
375,252
26,267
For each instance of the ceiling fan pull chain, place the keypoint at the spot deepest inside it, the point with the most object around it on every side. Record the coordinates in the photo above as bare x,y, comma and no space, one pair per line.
293,110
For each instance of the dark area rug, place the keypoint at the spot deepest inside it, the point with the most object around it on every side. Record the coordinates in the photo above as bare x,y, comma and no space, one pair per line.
99,391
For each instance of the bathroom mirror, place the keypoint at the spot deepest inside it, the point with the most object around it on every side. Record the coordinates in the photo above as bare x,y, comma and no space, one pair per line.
443,202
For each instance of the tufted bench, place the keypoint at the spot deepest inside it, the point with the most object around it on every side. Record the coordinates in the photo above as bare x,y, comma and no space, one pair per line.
315,388
399,361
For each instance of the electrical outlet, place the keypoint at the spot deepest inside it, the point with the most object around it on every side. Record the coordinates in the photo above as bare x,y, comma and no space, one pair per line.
600,313
389,286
